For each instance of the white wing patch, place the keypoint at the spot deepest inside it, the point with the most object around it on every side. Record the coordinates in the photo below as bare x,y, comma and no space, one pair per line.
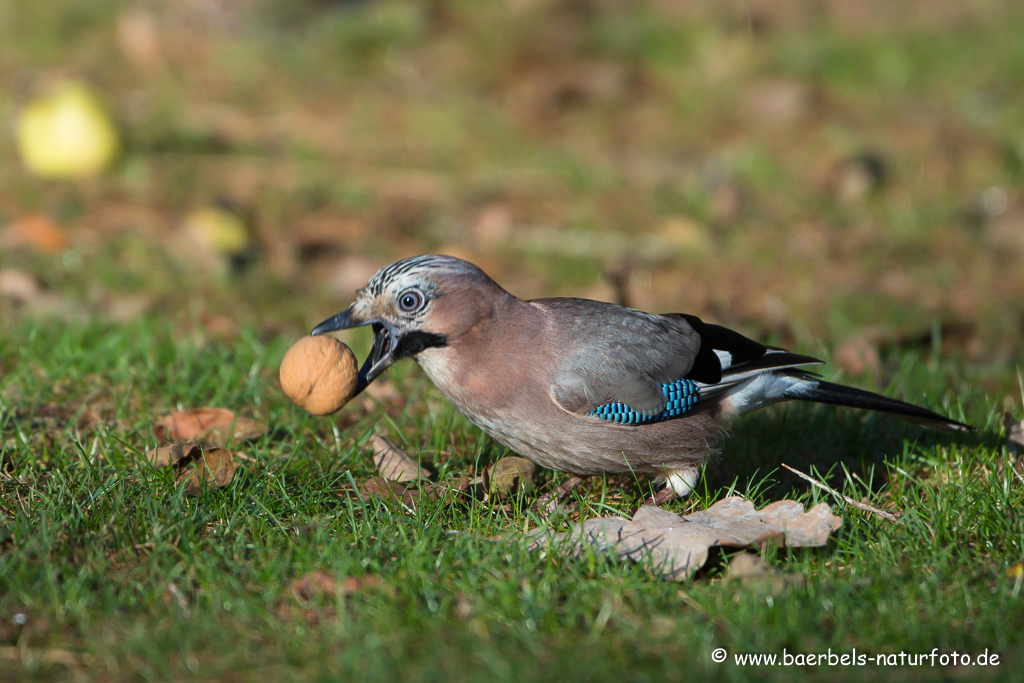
765,389
724,357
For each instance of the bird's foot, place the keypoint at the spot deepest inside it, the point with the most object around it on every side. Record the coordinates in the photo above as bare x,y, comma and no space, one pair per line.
661,497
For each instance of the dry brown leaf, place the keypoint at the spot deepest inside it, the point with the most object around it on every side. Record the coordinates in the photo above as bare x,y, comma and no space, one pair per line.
216,426
216,468
35,230
678,545
172,454
318,584
393,463
410,495
509,476
319,587
381,487
194,466
314,585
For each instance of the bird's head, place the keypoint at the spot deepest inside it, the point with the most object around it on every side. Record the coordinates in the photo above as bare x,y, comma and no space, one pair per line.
415,304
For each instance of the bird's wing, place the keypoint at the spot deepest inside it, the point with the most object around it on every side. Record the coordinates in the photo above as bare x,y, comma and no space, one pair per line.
726,358
624,356
608,353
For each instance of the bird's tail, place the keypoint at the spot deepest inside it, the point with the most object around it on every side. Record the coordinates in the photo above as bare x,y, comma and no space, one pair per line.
818,391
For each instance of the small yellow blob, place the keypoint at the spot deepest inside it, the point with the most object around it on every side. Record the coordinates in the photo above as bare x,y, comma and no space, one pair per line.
66,133
217,229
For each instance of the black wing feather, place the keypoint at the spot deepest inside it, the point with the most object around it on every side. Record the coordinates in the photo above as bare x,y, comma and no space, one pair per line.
747,354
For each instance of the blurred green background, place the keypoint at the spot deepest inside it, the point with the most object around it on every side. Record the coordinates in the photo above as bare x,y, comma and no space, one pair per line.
812,172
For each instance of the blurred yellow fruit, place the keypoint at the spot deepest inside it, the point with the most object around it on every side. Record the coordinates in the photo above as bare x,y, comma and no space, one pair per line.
217,229
66,133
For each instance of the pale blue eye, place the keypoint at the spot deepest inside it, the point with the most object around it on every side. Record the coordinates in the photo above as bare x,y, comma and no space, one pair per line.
410,300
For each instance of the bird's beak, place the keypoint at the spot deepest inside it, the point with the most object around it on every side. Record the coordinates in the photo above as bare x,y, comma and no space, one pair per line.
345,320
385,341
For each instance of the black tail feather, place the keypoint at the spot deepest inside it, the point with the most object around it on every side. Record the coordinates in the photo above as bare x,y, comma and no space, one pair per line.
840,395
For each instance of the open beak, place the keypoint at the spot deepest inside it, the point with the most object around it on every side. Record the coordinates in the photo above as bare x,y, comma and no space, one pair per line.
385,341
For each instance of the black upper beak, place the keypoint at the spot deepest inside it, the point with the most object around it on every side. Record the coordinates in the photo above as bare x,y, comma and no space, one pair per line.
342,321
382,354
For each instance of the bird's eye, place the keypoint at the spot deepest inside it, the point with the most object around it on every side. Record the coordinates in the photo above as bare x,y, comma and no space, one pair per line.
410,300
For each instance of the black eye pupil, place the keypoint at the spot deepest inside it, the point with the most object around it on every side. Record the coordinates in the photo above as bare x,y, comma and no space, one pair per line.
409,301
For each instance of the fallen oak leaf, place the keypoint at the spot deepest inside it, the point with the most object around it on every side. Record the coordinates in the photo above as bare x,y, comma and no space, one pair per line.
393,463
509,476
216,468
216,426
678,545
172,454
382,487
409,495
194,466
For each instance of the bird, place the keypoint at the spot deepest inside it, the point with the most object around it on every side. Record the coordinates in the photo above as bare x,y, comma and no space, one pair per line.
582,386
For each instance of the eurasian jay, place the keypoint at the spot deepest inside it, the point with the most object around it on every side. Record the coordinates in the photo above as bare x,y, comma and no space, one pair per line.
583,386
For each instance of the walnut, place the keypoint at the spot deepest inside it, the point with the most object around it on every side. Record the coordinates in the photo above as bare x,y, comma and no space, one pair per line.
319,374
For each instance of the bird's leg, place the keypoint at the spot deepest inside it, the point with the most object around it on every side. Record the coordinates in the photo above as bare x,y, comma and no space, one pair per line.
548,503
661,497
678,484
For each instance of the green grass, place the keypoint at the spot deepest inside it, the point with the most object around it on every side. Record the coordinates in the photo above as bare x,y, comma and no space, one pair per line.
700,154
125,578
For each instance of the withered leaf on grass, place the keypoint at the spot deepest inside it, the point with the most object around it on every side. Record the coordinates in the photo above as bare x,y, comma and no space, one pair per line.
195,466
307,595
312,596
393,463
410,495
678,545
509,476
174,453
216,426
319,584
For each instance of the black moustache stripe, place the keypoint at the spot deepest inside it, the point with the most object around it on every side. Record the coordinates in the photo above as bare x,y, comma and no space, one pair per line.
414,342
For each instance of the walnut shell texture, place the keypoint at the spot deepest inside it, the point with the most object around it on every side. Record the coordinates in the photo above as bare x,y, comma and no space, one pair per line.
319,374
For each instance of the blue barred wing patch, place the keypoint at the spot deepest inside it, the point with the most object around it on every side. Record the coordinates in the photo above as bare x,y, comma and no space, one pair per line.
682,395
